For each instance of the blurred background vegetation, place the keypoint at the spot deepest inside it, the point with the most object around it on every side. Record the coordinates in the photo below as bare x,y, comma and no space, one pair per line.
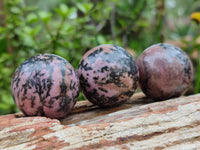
70,28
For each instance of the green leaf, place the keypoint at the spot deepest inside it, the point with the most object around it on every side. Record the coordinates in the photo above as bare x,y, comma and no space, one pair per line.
72,13
45,16
15,10
32,18
61,52
122,23
27,37
85,7
142,23
30,8
101,39
67,28
4,107
36,30
27,29
31,31
2,29
4,57
3,43
28,41
2,33
6,71
62,10
7,99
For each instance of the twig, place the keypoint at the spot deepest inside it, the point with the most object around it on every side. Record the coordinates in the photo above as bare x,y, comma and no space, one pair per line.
48,30
112,23
125,39
100,25
58,33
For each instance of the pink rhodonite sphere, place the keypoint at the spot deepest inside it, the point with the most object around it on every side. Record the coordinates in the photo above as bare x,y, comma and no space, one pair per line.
165,71
45,85
108,75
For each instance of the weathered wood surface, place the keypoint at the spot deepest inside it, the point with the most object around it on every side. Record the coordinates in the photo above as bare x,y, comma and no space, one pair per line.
141,123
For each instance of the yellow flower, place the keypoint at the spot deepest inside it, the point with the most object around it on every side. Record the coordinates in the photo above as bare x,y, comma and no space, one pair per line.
195,16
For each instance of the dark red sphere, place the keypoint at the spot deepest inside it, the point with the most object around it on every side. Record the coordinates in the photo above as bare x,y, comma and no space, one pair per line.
45,85
108,75
165,71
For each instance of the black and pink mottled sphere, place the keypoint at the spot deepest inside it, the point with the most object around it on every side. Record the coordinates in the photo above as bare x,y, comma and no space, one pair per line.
45,85
108,75
165,71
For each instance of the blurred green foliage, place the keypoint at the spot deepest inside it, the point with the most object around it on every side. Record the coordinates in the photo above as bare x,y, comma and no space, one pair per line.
70,28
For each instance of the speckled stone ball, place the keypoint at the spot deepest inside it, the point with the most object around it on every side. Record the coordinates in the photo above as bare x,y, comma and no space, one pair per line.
108,75
165,71
45,85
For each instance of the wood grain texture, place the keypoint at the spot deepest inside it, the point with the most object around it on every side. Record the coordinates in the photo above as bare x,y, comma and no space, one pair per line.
141,123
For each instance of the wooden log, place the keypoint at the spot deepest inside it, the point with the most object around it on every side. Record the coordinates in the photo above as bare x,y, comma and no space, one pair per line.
141,123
